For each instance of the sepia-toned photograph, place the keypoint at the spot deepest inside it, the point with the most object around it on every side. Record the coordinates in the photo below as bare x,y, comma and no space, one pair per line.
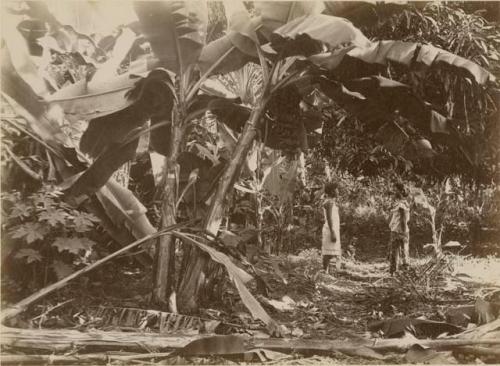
227,182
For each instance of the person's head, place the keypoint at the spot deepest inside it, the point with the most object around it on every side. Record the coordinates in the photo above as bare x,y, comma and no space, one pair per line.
331,189
400,191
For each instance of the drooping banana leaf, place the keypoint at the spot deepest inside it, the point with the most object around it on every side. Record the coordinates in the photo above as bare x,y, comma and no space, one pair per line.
176,30
274,14
377,98
19,55
237,47
113,139
309,35
364,61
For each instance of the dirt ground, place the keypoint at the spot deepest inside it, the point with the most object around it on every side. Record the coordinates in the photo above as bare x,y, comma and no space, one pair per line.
308,303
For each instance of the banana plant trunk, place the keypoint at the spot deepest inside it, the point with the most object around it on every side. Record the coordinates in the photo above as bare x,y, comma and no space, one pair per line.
194,277
164,274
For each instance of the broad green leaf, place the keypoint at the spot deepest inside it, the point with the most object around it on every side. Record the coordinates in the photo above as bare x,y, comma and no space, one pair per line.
19,210
224,55
72,244
280,178
236,48
62,269
151,96
29,255
103,168
83,221
421,355
378,98
29,231
19,52
241,28
124,209
27,105
399,52
205,153
176,30
424,148
309,35
274,14
121,49
114,138
82,101
53,216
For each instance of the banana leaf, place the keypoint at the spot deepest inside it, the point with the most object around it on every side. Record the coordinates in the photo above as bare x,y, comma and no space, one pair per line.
309,35
238,47
367,60
274,14
176,30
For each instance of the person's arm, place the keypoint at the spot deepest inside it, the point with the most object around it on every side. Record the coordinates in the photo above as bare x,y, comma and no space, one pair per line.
404,220
328,208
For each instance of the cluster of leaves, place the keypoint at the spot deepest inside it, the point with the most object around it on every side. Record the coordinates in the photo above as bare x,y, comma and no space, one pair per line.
42,229
464,212
474,110
351,146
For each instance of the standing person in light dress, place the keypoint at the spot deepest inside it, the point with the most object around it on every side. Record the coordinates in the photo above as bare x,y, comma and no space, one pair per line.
330,241
399,242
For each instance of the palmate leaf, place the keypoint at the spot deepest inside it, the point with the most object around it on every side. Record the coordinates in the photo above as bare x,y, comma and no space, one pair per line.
176,30
62,269
29,255
83,221
72,244
20,210
29,231
53,216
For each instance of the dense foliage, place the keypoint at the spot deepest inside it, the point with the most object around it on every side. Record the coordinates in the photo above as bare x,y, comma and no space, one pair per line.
360,93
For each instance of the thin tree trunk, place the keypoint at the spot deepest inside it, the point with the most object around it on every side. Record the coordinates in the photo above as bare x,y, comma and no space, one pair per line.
164,276
194,276
259,217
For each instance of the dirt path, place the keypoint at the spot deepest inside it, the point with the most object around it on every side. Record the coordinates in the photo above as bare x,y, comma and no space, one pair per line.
341,306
